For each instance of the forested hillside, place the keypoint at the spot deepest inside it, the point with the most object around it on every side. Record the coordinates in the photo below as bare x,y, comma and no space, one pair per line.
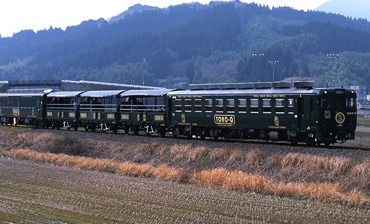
194,43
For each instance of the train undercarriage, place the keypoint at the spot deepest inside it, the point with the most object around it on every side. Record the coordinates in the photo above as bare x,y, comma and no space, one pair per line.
294,137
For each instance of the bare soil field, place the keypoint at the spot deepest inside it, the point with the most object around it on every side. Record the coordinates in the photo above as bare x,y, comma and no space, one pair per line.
33,192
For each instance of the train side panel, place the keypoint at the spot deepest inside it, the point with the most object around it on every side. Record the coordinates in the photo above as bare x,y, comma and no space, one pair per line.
62,109
144,110
99,110
296,114
241,116
19,108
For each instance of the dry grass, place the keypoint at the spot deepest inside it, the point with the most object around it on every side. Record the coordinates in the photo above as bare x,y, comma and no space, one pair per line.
220,154
322,191
356,197
165,172
219,177
135,170
362,170
236,156
197,153
254,158
180,152
274,162
334,166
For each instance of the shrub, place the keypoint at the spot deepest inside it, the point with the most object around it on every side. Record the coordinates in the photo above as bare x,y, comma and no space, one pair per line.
68,145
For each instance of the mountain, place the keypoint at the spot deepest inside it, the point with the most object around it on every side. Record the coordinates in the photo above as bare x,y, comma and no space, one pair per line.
353,8
195,43
130,11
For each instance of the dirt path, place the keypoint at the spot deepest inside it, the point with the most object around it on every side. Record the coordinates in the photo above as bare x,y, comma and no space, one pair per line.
42,193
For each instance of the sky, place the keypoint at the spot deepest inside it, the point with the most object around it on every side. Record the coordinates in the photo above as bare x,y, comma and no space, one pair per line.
18,15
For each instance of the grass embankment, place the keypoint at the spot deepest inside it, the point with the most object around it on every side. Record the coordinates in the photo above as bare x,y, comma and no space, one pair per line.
293,174
363,121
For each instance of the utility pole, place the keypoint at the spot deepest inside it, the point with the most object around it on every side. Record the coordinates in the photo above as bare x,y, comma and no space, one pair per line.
273,64
142,76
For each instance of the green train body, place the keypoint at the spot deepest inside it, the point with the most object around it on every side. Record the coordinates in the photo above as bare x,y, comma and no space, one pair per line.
99,109
283,113
22,108
293,112
62,109
144,110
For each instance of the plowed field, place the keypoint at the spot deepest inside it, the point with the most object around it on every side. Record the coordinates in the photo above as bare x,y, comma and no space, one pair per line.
33,192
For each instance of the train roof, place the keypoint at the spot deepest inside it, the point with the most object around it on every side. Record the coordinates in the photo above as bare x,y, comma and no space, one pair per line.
21,94
65,94
238,92
101,94
253,85
150,92
258,88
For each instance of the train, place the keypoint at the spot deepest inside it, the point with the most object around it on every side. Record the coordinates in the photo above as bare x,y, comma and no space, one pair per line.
294,112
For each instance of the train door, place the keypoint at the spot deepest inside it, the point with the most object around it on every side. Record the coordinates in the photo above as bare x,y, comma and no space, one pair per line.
312,111
301,113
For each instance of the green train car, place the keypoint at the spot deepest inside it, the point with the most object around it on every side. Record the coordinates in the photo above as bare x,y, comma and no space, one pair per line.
62,109
23,109
99,110
294,112
144,110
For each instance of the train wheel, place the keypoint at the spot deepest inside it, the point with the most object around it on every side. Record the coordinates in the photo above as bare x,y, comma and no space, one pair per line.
162,133
175,132
310,142
293,141
215,133
127,130
203,135
115,130
136,131
327,144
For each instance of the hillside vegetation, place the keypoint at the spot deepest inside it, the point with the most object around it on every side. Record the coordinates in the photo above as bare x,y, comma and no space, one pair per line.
194,43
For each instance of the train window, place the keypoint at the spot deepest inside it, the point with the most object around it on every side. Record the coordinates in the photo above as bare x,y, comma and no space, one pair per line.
159,104
178,105
23,103
254,106
350,102
312,105
198,105
230,106
242,105
208,105
219,105
266,105
188,105
279,105
325,103
291,106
